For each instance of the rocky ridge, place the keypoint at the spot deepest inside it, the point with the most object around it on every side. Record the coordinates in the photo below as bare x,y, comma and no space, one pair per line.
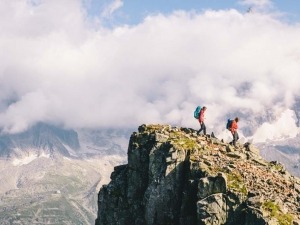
176,177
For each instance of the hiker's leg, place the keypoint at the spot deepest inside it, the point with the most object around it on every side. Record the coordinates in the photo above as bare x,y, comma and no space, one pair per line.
204,128
201,128
235,138
198,132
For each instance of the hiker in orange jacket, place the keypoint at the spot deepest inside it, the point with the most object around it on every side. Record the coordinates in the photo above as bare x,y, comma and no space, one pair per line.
201,121
233,129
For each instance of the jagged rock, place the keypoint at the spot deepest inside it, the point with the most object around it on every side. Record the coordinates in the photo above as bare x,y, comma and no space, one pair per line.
174,177
212,185
237,155
212,210
251,148
230,148
296,222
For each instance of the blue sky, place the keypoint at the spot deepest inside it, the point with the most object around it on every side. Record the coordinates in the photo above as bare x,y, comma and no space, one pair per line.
134,11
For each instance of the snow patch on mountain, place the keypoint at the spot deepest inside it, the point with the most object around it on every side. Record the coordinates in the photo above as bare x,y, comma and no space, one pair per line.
28,159
71,151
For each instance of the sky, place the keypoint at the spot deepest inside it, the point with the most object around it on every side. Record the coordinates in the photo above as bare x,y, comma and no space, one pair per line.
120,64
133,12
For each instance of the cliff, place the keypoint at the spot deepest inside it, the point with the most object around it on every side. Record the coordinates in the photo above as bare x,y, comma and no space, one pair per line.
174,177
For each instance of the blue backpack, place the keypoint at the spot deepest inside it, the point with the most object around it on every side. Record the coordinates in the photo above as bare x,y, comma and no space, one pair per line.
197,112
228,125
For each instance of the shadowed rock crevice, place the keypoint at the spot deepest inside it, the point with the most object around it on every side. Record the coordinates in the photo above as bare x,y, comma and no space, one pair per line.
175,177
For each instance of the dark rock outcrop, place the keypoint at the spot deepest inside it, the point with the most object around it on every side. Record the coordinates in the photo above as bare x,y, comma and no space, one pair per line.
174,177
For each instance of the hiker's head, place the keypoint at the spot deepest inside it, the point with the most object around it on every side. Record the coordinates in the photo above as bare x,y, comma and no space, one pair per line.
236,119
204,108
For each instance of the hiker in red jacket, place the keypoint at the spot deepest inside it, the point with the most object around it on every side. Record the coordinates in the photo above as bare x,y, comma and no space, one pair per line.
233,129
201,121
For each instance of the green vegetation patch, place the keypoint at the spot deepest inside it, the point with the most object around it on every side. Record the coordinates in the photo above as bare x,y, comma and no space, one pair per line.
275,211
236,182
186,143
277,167
154,127
180,141
175,134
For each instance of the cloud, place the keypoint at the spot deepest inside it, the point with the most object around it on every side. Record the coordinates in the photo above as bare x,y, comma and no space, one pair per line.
58,67
111,8
257,3
284,127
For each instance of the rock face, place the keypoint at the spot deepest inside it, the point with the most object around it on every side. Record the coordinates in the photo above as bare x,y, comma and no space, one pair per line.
175,177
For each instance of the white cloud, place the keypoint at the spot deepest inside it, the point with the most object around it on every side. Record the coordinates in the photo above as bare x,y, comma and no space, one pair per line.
57,67
257,3
284,127
111,8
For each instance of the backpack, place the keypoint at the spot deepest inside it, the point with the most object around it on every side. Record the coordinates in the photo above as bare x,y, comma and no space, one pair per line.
197,112
228,125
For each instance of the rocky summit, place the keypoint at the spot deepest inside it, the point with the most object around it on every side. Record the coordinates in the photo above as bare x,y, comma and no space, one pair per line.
176,177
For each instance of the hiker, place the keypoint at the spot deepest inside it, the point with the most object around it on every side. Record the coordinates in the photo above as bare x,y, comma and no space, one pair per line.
201,121
233,129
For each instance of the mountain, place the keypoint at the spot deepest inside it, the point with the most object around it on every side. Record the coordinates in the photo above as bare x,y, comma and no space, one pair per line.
173,176
40,138
51,175
103,142
296,109
286,151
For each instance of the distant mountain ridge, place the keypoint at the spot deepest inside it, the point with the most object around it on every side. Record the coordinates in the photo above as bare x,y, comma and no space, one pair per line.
55,140
285,151
51,175
49,138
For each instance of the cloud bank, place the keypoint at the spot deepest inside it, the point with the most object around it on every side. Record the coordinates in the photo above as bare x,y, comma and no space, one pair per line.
59,67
